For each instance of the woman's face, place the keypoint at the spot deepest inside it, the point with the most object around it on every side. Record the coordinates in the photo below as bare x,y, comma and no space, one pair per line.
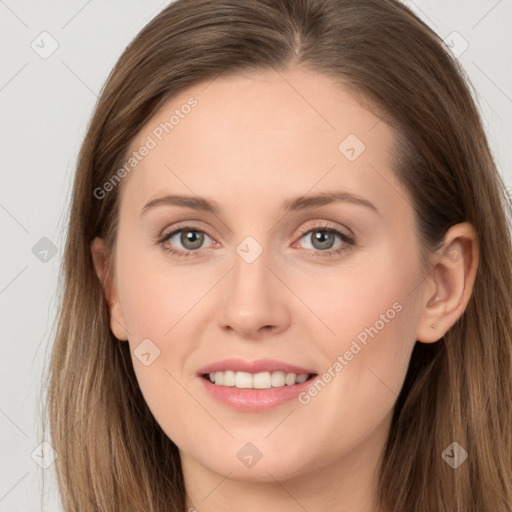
297,259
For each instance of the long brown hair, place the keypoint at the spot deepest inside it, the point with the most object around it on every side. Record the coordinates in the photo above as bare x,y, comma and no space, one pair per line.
113,456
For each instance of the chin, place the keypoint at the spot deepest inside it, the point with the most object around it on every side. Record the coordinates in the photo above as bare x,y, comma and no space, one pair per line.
259,460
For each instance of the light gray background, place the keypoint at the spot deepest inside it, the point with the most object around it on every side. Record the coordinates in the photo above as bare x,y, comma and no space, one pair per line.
45,106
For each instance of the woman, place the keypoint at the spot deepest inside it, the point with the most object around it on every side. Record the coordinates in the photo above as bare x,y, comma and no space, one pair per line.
287,278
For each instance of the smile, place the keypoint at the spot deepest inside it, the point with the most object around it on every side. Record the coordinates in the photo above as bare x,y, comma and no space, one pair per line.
254,386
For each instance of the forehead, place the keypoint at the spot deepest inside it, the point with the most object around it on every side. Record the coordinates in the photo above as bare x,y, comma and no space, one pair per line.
257,135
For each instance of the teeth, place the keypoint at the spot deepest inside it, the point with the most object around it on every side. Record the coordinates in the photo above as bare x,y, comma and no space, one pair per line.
262,380
242,380
277,379
303,377
229,379
290,379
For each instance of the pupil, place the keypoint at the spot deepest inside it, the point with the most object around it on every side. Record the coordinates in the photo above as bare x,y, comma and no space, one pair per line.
192,239
324,238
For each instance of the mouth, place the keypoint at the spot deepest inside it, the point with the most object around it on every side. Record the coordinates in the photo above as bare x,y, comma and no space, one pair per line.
254,386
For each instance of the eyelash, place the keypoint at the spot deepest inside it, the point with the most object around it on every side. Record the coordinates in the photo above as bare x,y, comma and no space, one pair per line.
349,241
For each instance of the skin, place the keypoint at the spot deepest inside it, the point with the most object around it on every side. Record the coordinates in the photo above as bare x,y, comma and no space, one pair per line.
252,142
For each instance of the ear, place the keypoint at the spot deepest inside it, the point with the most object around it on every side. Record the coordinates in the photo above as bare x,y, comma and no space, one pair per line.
450,284
117,323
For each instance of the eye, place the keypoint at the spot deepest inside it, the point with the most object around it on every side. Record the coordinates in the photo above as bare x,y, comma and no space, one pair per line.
189,237
322,240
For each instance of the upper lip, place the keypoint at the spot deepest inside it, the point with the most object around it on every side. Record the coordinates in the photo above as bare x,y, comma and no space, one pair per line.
257,366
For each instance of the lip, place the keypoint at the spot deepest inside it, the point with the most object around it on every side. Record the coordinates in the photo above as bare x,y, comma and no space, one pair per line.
253,400
260,365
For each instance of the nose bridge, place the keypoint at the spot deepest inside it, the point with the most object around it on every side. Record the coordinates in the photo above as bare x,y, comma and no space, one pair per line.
253,296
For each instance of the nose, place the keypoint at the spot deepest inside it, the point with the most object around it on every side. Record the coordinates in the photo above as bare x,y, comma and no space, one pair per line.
254,300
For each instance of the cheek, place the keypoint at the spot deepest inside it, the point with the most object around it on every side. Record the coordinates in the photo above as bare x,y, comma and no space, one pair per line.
373,316
158,295
371,311
161,304
363,301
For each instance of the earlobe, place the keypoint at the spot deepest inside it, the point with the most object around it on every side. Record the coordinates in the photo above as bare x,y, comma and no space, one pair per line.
450,284
117,323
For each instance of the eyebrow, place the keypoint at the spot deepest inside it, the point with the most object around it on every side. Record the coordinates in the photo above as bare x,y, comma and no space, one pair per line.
290,205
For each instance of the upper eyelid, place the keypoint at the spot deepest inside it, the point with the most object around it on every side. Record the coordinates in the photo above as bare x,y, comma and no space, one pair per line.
183,225
328,227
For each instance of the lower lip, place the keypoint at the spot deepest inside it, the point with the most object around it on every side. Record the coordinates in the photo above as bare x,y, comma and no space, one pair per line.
254,400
